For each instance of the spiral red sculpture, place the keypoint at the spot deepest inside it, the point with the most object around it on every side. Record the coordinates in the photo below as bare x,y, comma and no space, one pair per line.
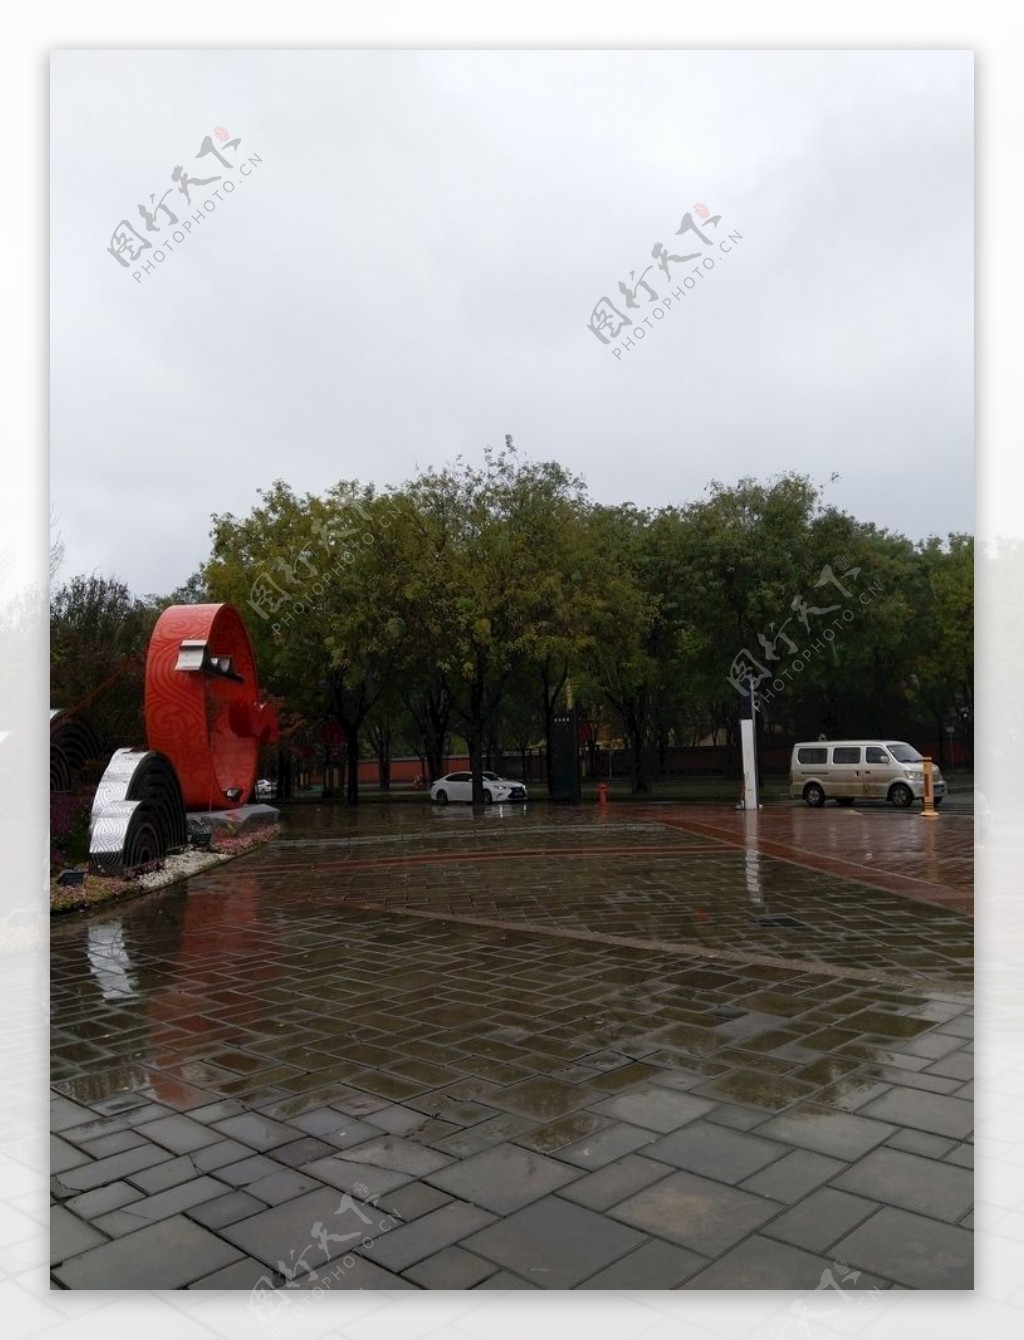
203,709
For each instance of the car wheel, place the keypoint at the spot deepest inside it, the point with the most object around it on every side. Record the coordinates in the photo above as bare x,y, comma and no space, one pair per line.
488,798
844,800
814,796
442,797
901,796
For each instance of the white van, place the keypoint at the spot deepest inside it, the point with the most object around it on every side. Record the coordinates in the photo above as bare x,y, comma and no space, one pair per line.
849,770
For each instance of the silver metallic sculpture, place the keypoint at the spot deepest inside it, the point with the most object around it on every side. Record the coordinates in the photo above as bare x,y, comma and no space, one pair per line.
138,815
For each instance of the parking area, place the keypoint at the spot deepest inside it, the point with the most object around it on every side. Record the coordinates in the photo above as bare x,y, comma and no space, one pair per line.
533,1047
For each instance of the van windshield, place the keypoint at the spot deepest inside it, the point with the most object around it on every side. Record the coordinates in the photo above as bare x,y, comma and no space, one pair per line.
903,753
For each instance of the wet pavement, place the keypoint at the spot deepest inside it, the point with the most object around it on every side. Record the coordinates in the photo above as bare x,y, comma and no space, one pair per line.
651,1048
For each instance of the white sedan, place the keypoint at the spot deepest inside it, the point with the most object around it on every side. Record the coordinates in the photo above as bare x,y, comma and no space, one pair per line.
459,786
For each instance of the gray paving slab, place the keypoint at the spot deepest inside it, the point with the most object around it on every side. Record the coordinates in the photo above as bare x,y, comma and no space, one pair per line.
654,1107
308,1230
227,1209
914,1251
413,1199
614,1182
69,1235
64,1156
553,1244
607,1145
113,1169
503,1179
247,1170
937,1113
794,1176
694,1212
762,1263
282,1185
392,1151
168,1255
506,1282
163,1175
180,1134
255,1130
245,1274
820,1219
361,1179
653,1265
715,1151
398,1248
841,1135
911,1183
103,1200
114,1143
451,1268
175,1200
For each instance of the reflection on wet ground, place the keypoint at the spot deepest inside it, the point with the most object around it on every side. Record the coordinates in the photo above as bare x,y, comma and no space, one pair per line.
518,1018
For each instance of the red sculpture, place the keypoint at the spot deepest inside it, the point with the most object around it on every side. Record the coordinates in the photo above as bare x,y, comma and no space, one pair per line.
203,707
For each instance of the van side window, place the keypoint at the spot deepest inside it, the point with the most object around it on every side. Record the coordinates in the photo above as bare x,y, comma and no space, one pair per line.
846,755
812,755
875,755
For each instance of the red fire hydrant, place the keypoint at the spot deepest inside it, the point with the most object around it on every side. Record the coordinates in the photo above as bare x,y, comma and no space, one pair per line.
602,793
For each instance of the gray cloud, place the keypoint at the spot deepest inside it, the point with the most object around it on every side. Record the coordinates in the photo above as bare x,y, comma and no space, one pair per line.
409,271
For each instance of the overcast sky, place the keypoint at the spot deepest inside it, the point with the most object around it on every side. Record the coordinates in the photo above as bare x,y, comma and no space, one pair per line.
408,271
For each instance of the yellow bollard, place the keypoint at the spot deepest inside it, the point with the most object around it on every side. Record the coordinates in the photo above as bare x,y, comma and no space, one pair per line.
929,811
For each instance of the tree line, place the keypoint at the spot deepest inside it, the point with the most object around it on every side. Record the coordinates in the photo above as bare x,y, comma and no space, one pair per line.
468,602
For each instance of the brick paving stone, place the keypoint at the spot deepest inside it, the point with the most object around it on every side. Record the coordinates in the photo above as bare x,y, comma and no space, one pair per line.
837,1134
69,1235
820,1219
793,1176
614,1182
64,1157
486,1135
220,1155
716,1151
505,1281
247,1171
163,1175
348,1176
397,1119
302,1151
920,1142
256,1131
281,1185
606,1145
912,1250
168,1255
565,1131
227,1209
653,1265
503,1179
553,1244
694,1212
113,1169
228,1107
654,1107
762,1263
451,1268
414,1199
736,1118
401,1247
911,1183
243,1274
392,1151
103,1200
932,1112
65,1114
175,1200
542,1098
281,1233
115,1143
180,1134
962,1156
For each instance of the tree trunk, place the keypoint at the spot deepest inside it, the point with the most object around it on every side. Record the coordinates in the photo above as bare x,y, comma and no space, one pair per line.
352,764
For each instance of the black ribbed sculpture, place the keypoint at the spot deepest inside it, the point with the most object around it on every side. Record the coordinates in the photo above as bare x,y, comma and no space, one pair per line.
74,745
138,815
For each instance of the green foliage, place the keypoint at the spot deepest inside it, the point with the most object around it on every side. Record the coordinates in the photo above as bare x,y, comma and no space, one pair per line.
467,600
